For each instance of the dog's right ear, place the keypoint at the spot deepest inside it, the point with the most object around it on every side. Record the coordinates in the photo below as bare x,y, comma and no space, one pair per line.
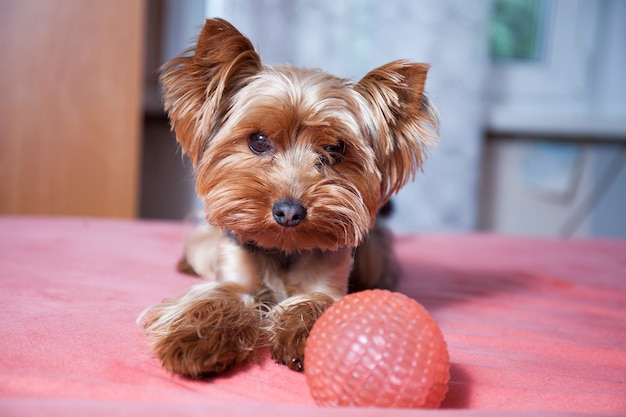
199,84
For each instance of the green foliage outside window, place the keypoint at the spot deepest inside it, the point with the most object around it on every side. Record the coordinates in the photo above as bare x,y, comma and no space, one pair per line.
517,28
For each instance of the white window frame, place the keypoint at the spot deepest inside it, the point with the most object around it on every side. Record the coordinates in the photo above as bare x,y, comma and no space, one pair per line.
559,94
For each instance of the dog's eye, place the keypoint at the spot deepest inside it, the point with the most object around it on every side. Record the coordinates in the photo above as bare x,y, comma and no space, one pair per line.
333,154
260,144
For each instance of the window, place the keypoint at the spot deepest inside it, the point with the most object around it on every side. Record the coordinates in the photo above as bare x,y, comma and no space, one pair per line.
548,73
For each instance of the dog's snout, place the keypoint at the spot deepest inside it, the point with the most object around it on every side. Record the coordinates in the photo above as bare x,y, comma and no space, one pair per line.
288,212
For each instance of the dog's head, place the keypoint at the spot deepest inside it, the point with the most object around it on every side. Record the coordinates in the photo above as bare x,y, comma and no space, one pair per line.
288,158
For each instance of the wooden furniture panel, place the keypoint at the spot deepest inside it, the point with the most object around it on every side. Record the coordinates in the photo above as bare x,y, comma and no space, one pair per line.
70,107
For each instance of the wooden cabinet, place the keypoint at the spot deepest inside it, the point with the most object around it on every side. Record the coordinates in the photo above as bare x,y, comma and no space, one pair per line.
70,106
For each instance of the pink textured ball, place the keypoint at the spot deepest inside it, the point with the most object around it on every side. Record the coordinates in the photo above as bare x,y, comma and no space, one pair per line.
377,348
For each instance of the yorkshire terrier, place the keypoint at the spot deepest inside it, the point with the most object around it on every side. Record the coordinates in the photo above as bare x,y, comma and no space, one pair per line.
293,166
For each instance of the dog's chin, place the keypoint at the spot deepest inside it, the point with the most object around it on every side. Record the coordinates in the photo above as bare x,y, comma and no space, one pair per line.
294,240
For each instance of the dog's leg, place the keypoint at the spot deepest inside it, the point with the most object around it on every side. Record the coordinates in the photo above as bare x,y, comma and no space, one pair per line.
215,324
312,285
210,328
201,252
291,323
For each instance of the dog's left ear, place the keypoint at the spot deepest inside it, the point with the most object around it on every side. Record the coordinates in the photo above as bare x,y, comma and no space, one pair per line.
404,122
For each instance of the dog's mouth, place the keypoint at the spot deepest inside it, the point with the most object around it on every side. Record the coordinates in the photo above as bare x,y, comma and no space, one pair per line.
293,231
291,240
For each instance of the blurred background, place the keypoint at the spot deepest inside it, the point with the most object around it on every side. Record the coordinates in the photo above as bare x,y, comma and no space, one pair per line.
531,95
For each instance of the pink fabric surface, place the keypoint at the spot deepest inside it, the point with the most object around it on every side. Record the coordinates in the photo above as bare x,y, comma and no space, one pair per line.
532,325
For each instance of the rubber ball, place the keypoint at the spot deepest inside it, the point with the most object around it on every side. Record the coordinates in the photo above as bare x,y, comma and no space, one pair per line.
377,348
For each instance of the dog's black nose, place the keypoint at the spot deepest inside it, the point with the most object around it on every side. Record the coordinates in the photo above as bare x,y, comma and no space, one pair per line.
288,212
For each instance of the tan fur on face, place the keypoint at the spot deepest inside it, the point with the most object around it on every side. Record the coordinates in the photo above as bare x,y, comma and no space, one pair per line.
300,111
336,149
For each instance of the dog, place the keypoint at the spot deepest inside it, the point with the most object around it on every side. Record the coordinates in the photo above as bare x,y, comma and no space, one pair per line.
293,166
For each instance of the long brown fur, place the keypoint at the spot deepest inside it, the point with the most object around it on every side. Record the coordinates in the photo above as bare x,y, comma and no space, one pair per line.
293,165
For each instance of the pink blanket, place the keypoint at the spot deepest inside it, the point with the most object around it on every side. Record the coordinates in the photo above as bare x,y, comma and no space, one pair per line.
531,325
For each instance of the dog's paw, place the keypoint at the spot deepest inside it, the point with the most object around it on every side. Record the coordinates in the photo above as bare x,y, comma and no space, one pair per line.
290,325
287,347
202,337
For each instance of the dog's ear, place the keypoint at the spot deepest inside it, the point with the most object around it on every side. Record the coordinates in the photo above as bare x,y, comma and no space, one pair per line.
198,85
404,123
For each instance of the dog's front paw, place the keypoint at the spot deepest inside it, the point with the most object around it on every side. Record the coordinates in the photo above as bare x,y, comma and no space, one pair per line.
290,325
200,336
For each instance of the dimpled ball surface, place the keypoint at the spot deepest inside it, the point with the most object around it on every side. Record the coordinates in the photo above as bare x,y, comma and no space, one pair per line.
377,348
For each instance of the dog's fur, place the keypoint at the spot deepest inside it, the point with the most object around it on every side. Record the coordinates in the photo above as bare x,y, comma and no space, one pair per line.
293,166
